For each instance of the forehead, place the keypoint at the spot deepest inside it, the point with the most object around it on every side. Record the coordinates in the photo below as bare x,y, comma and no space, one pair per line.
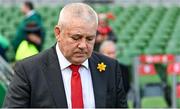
23,6
81,27
110,47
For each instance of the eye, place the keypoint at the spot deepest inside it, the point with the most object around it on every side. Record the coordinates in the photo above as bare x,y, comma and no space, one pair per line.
75,37
90,38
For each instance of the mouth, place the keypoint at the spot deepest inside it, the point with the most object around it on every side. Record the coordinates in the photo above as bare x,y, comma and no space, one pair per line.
80,54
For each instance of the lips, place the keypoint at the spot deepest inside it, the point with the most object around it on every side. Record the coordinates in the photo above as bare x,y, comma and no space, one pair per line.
80,54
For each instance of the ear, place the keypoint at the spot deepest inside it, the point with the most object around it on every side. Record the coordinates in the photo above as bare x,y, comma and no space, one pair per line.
57,32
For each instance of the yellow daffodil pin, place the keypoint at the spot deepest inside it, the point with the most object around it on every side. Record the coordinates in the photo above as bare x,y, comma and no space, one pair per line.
101,67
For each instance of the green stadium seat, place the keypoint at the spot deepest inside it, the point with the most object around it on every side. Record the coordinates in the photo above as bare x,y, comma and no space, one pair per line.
143,37
3,89
117,9
140,44
126,60
153,50
124,38
158,43
101,8
172,49
131,52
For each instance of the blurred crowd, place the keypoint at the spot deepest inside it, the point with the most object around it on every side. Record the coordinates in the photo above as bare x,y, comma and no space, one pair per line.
30,35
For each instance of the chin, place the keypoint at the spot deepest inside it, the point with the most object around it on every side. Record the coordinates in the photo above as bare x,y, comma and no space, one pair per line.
79,60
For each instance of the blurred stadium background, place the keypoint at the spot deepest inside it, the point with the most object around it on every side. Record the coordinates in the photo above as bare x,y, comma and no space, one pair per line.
148,33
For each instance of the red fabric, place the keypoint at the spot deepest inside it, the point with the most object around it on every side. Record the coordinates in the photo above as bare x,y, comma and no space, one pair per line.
104,30
110,16
146,69
168,58
178,91
173,68
146,59
157,58
76,87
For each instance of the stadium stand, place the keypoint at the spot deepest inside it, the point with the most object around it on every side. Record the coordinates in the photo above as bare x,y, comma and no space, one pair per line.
140,29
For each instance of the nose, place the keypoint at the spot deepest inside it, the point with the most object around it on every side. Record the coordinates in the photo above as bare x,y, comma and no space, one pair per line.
82,44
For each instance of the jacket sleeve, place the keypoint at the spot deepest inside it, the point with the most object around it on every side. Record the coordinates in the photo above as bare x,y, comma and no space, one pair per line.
18,94
121,94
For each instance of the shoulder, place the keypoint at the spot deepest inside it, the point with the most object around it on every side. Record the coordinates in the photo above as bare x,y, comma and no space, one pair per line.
36,14
35,17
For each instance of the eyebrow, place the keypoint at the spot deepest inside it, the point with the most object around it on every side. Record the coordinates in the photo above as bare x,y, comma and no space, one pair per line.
91,36
78,34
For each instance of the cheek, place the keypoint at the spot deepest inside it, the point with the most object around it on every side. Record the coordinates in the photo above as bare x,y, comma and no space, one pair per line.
90,47
59,39
70,47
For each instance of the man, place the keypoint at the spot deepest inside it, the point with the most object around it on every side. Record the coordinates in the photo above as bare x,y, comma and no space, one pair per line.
108,48
31,44
31,16
69,74
104,31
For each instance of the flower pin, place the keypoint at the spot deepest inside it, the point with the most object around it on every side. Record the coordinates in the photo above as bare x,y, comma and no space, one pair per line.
101,67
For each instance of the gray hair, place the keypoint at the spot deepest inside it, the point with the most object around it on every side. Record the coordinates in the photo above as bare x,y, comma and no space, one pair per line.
105,44
77,10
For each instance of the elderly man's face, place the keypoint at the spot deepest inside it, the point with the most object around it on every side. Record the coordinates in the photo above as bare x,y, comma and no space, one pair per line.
110,51
76,40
